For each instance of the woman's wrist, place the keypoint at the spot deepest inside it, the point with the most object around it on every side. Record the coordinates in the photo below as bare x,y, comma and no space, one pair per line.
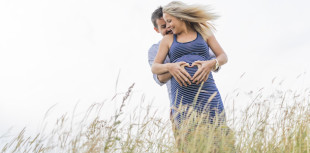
213,63
217,64
168,66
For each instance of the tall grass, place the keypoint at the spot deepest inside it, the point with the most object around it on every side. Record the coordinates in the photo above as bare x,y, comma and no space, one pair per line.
276,120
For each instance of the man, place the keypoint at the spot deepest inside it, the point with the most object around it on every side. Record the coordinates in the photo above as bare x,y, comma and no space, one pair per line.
175,69
160,27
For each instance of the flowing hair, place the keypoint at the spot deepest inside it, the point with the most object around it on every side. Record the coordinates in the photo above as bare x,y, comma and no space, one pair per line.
196,16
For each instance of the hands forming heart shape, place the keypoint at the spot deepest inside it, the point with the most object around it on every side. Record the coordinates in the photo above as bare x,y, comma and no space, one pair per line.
177,70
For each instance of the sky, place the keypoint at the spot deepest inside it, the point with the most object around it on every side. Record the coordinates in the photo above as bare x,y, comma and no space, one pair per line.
84,51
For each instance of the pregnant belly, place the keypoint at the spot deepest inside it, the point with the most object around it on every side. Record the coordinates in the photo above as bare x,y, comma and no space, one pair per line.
190,59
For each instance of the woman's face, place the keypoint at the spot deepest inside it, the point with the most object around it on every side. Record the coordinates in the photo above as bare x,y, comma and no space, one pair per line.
173,23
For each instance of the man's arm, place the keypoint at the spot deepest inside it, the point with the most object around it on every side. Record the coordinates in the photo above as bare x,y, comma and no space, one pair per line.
160,79
164,77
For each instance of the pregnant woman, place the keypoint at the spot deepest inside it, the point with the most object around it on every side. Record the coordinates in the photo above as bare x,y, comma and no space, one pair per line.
188,48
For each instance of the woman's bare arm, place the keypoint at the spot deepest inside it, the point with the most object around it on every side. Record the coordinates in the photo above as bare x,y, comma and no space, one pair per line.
158,67
175,69
205,67
218,50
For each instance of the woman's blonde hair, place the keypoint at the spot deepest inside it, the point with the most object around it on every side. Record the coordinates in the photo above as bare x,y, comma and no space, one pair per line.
196,16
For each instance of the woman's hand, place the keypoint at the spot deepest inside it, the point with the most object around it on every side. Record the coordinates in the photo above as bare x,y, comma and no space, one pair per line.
203,71
204,67
178,71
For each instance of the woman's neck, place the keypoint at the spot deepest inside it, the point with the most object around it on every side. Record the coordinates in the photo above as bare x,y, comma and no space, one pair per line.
186,31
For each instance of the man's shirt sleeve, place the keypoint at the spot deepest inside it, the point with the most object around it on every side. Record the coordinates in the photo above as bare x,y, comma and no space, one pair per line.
211,53
151,57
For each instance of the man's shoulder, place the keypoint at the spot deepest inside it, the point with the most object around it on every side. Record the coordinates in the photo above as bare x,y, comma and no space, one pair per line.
154,47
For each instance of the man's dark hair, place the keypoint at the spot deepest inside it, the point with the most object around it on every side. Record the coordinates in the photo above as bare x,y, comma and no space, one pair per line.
157,14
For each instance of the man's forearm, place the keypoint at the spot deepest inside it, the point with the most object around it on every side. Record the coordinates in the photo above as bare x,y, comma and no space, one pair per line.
160,68
163,78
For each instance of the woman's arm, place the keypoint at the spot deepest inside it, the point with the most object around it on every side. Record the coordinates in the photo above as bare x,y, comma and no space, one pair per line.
175,69
205,67
158,67
218,50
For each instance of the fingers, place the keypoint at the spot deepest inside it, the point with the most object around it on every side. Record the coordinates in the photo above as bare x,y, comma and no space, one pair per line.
184,64
197,63
177,71
206,78
197,73
186,76
178,80
182,78
199,77
203,78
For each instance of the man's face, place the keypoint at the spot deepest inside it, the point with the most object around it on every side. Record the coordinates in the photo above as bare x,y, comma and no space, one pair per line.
162,28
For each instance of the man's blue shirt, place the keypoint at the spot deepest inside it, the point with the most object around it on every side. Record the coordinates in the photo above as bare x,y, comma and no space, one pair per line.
151,57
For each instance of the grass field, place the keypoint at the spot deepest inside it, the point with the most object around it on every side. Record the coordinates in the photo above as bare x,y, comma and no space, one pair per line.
275,120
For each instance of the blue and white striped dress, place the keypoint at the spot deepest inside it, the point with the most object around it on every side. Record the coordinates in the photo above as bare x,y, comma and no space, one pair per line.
190,52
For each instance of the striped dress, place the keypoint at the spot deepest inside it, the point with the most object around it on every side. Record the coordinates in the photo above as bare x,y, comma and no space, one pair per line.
190,52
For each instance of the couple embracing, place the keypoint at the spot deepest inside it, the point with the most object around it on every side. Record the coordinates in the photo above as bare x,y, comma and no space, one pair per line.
184,60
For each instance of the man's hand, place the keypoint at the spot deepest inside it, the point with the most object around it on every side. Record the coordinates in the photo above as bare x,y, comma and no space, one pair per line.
204,68
163,78
178,71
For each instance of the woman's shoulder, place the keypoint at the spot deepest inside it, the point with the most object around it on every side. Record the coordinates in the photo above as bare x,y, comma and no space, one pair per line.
210,36
168,39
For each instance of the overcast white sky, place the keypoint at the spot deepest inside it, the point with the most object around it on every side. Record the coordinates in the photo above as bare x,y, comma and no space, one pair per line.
64,52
